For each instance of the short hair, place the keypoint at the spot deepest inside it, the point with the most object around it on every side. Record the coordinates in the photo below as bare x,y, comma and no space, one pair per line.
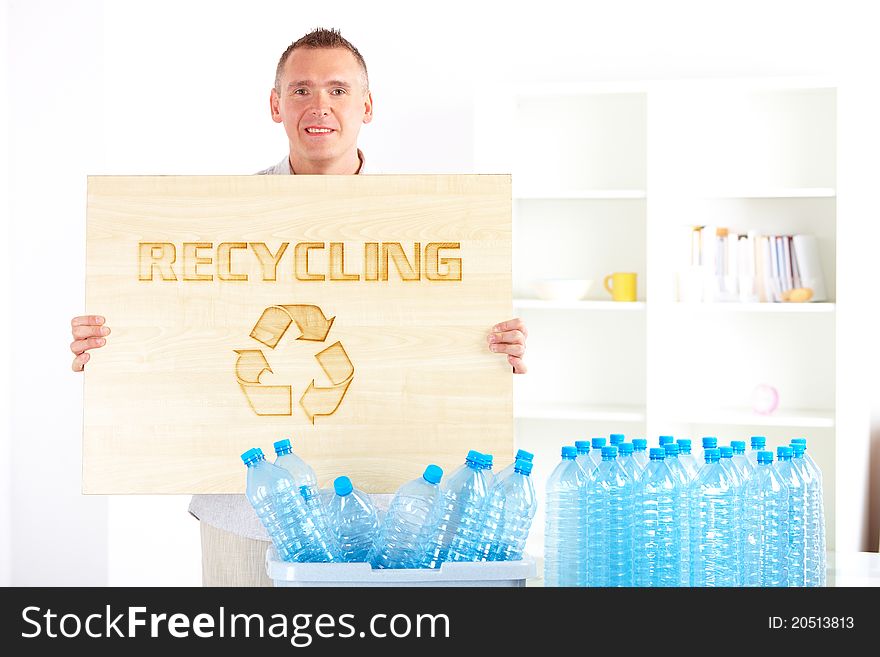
322,38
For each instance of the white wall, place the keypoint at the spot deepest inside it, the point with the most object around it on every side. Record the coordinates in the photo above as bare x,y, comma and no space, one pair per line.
5,271
182,87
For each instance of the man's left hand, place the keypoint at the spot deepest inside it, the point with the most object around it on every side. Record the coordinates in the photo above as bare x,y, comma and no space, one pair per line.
510,338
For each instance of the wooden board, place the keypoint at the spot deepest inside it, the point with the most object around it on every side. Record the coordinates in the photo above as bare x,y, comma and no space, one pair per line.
363,339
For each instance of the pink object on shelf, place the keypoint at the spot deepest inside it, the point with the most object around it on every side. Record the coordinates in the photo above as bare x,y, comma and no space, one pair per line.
765,399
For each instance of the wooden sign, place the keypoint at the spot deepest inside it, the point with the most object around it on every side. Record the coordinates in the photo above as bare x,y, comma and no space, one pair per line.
349,313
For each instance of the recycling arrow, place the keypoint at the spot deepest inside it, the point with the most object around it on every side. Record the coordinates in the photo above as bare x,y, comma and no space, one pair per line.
275,321
338,368
264,400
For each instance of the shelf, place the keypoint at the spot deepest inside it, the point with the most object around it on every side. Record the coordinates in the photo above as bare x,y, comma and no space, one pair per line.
734,307
586,194
578,412
541,304
793,418
782,192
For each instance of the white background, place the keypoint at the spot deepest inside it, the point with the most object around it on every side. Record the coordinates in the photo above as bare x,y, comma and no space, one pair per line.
182,87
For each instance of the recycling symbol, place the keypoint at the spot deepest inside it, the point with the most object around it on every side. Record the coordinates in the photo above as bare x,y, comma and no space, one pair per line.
278,399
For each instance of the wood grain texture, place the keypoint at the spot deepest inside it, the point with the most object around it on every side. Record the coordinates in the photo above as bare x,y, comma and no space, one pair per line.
368,351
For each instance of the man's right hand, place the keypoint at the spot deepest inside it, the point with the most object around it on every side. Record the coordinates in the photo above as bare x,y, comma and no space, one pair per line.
88,333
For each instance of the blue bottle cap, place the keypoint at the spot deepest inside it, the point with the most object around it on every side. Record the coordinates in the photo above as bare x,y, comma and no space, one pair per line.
253,454
522,466
784,452
487,459
665,440
342,485
640,444
710,442
569,452
658,453
625,449
671,449
758,442
433,474
684,445
726,452
616,438
524,455
711,455
798,449
739,446
799,441
282,446
598,443
765,457
609,452
583,446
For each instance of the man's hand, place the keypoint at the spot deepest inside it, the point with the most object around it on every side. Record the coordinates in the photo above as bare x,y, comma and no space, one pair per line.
510,338
88,332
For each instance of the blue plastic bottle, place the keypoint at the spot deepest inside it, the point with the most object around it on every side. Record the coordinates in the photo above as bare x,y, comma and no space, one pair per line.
302,472
460,514
766,526
758,444
626,456
318,513
740,460
583,456
687,459
616,439
565,533
354,521
640,452
815,524
797,516
727,463
508,517
713,549
486,462
408,524
707,442
283,512
596,445
521,455
656,543
610,510
683,483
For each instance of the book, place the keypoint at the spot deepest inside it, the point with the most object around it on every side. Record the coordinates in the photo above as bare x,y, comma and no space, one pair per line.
806,253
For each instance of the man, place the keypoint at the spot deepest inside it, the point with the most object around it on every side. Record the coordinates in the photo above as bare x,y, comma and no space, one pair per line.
322,98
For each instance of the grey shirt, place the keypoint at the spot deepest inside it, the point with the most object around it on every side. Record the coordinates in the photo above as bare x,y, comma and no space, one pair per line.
234,513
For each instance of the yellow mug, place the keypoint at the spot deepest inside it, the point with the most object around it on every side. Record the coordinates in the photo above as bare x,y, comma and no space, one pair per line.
622,287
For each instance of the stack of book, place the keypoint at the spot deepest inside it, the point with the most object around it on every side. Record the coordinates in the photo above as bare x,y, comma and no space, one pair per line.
751,267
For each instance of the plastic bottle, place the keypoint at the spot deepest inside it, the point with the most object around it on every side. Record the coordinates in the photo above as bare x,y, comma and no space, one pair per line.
640,452
408,524
609,534
318,513
459,515
740,460
707,442
766,526
282,510
616,439
354,521
815,522
486,463
713,551
521,455
596,445
797,516
565,533
683,481
508,517
302,472
626,457
656,543
758,443
738,482
583,456
687,459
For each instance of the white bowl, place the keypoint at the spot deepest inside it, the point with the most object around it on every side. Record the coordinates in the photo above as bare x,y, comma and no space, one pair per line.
562,289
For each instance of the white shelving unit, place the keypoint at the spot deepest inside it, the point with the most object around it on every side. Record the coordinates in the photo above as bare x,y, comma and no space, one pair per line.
625,169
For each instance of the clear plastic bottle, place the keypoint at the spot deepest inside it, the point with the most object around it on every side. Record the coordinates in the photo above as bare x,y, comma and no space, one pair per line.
521,455
318,513
758,443
616,439
302,472
486,463
706,442
740,460
508,517
815,523
596,445
283,512
610,510
656,542
640,452
687,459
683,481
565,533
713,550
738,482
626,456
460,514
583,456
797,516
354,521
766,526
408,524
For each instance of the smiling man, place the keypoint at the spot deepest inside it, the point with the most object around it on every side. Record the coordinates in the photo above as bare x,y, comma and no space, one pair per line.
322,97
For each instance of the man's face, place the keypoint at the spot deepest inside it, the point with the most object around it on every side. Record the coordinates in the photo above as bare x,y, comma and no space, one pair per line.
322,104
